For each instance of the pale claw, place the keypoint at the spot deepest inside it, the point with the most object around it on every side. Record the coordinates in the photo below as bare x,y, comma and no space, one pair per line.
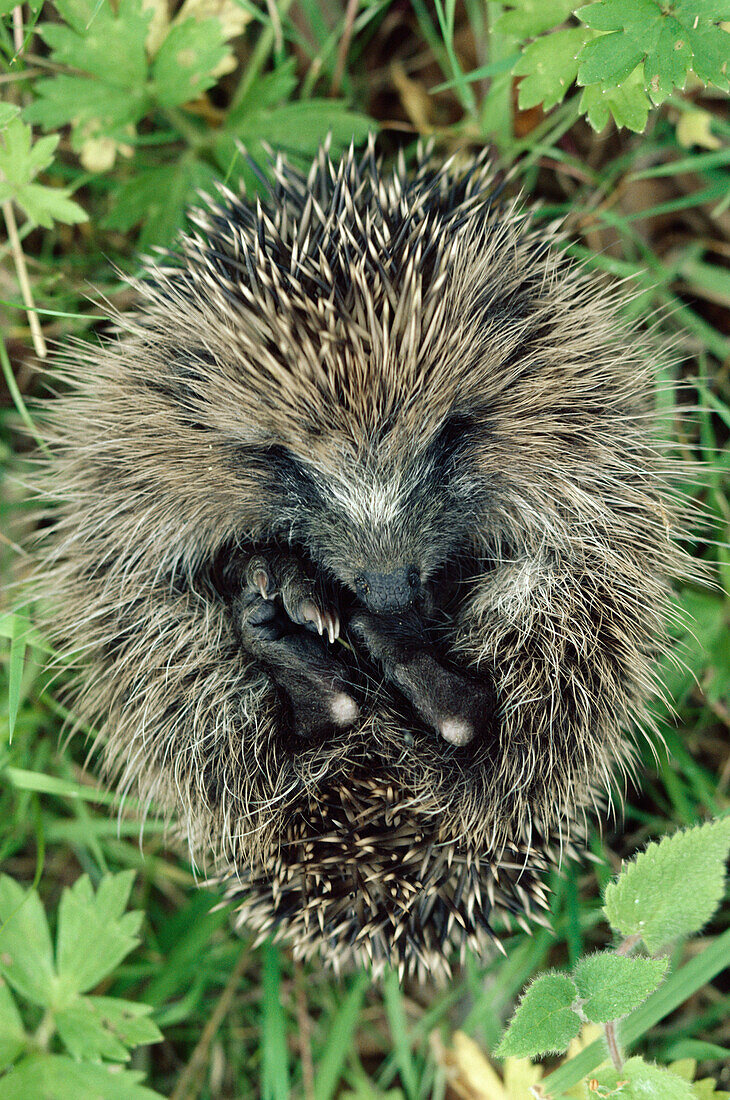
261,580
311,614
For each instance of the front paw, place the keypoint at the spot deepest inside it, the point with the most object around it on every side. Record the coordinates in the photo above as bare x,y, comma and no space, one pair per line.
457,705
275,613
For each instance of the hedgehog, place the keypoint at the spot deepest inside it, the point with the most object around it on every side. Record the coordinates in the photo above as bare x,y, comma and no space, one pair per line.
360,548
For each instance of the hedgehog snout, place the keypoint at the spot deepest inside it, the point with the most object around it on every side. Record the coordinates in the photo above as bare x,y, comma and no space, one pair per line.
394,591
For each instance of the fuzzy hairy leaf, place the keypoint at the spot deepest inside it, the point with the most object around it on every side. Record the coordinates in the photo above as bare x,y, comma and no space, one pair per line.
613,985
26,952
545,1020
640,1080
673,887
94,932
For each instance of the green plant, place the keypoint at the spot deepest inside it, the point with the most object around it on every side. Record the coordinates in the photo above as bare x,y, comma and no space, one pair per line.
67,1042
626,55
668,892
148,106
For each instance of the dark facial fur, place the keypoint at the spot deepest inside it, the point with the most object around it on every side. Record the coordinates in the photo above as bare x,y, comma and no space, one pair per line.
362,543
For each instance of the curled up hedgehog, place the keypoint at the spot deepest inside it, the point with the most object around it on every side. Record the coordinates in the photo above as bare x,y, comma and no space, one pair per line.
360,541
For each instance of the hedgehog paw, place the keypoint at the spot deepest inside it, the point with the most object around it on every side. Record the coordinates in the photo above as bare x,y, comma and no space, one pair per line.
457,706
277,600
282,576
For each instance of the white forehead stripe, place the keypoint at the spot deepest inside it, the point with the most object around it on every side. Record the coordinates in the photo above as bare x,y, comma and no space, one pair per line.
369,504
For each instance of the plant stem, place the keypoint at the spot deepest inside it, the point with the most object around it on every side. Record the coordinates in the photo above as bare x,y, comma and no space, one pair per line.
35,329
612,1044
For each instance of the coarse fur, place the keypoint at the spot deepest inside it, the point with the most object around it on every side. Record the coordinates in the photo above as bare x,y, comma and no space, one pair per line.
369,370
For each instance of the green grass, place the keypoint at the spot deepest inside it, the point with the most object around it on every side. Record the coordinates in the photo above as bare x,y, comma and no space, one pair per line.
639,207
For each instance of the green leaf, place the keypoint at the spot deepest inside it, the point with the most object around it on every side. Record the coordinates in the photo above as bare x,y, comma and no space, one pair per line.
265,92
56,1077
528,18
672,888
20,159
716,10
339,1038
668,42
90,105
95,1028
698,1049
12,1033
668,64
629,105
94,934
44,205
159,198
184,64
130,1020
639,1080
613,985
710,50
299,127
85,1036
633,16
107,44
549,67
26,953
678,988
545,1021
609,59
274,1047
8,111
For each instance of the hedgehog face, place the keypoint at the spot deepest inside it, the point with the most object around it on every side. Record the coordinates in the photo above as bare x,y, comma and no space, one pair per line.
385,528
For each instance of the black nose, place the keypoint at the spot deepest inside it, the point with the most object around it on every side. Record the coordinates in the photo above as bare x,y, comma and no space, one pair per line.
389,591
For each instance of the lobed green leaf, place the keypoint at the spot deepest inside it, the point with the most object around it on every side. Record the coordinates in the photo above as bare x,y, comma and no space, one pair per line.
549,67
26,952
528,18
12,1033
95,1028
183,67
628,104
94,934
59,1077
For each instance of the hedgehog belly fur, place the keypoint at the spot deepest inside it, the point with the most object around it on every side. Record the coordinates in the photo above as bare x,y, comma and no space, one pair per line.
360,542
